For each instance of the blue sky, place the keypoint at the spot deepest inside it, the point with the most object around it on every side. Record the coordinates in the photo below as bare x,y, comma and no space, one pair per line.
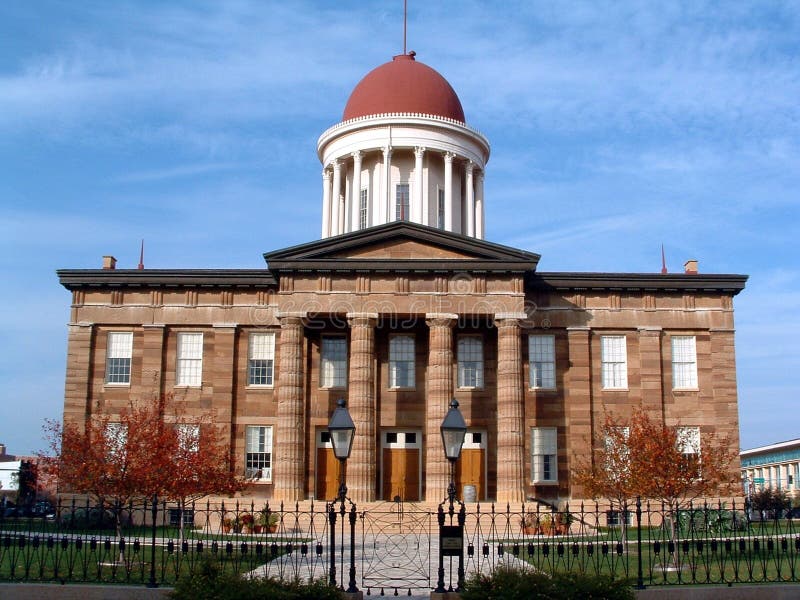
614,127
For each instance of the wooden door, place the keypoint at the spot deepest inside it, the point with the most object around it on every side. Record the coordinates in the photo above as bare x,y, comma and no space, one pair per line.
327,474
470,471
401,474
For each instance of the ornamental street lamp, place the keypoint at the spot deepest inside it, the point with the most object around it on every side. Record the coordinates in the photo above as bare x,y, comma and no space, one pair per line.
454,428
342,431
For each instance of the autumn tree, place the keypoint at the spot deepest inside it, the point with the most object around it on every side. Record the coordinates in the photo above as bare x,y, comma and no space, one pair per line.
671,464
199,464
138,454
113,460
607,474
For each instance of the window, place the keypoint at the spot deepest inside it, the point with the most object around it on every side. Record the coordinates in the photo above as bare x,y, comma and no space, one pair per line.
118,357
333,367
258,449
362,209
470,362
684,362
175,517
189,370
402,196
689,445
116,435
614,362
613,517
542,357
544,468
401,361
440,209
261,359
188,435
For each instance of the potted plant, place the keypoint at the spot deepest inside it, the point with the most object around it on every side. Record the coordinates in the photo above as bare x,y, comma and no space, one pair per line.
268,520
227,525
530,523
546,524
563,521
246,520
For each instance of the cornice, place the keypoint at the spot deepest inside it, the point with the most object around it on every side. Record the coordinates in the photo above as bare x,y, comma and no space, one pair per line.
544,281
83,278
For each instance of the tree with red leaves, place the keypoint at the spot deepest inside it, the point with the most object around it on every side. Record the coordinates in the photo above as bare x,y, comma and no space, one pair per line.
647,458
137,455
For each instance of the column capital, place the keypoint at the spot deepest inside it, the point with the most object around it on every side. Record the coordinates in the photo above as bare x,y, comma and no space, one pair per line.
579,329
449,156
286,317
357,155
362,319
232,326
510,316
650,329
441,319
81,324
419,151
469,167
154,326
336,164
326,174
387,150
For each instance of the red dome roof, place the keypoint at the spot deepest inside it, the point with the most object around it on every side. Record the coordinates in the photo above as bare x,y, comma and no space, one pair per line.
404,86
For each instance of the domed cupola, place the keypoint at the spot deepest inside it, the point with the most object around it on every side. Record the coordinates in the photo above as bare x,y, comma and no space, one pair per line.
404,86
403,151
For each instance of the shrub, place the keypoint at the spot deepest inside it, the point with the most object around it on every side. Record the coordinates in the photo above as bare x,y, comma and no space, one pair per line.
210,583
507,583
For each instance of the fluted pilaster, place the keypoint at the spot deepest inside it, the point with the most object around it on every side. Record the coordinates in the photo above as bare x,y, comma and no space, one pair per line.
440,392
361,468
290,439
510,412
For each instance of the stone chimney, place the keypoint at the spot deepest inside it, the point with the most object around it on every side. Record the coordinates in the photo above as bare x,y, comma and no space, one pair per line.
690,267
109,263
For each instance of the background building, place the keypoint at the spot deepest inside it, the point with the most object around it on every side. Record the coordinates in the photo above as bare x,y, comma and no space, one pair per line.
774,466
399,307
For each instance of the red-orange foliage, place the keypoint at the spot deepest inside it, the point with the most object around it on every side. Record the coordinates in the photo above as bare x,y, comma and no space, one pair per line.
643,457
138,455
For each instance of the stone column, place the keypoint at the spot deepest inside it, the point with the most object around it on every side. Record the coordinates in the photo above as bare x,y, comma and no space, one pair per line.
448,191
578,398
510,410
289,443
326,202
650,372
153,359
386,202
479,209
336,193
79,362
222,369
361,468
440,392
470,199
356,192
419,204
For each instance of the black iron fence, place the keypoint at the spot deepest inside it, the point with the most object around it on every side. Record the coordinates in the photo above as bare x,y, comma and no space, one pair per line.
398,546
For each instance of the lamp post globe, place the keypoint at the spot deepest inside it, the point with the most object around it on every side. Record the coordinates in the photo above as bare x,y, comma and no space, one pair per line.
454,429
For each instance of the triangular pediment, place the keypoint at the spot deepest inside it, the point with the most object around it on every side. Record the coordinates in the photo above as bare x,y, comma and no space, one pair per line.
401,245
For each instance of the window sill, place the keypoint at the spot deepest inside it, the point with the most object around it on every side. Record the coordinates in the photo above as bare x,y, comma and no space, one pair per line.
686,389
402,388
469,389
337,388
542,389
188,387
548,482
259,388
616,389
116,385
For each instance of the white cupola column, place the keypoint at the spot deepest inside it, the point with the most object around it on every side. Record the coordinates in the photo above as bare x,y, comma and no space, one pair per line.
335,197
386,203
355,193
448,191
326,202
419,204
479,210
470,199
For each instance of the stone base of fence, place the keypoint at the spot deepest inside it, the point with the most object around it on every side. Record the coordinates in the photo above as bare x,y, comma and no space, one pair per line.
49,591
773,591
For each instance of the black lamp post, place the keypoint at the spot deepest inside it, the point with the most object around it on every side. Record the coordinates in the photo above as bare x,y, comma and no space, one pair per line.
342,430
454,428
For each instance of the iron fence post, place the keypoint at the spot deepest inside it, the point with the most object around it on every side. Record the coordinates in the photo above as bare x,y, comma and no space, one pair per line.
154,513
351,588
639,572
440,589
332,525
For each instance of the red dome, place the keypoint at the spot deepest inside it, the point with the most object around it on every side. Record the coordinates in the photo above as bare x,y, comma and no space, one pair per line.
403,86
